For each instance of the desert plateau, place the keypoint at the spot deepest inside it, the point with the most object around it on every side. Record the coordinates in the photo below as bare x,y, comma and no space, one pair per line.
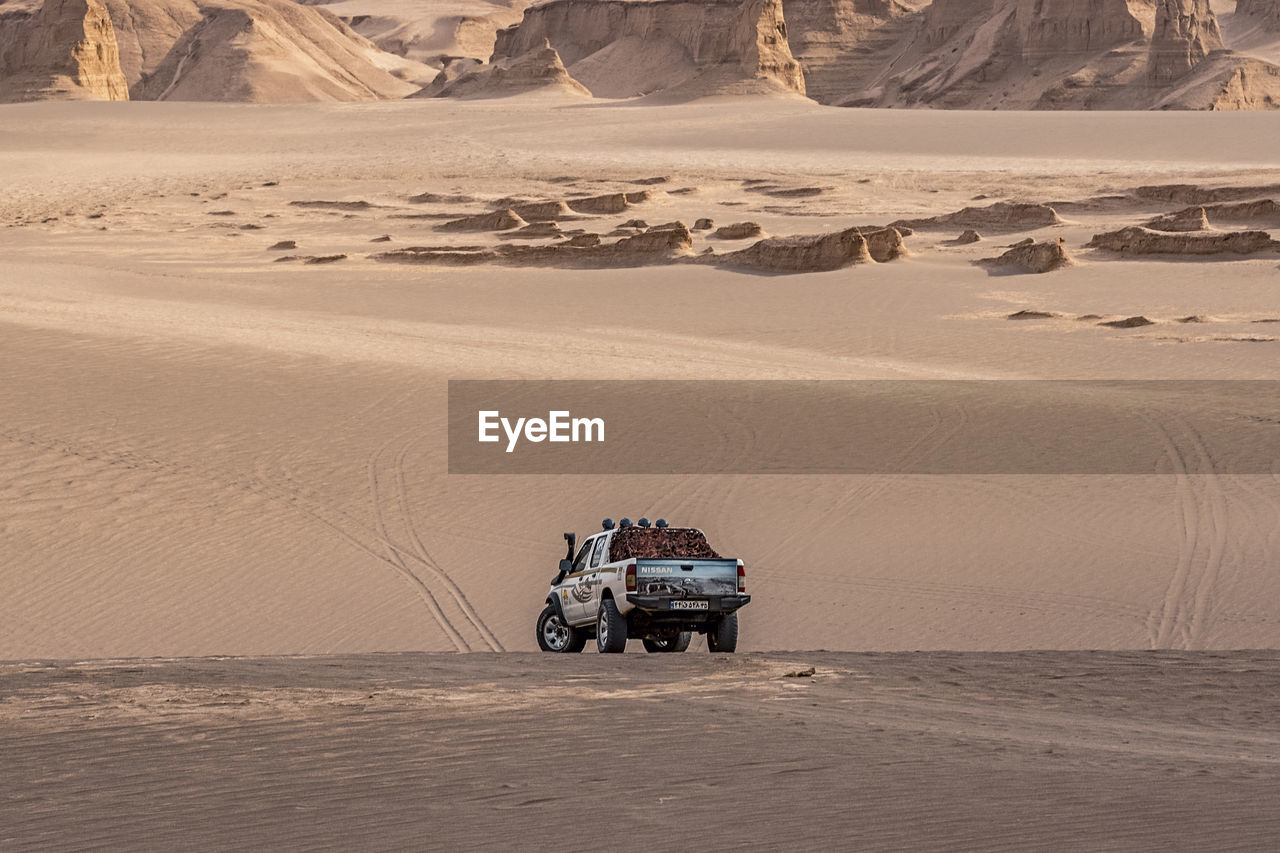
247,601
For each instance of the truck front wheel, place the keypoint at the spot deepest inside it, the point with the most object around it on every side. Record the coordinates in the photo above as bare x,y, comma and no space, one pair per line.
678,643
555,636
723,636
611,629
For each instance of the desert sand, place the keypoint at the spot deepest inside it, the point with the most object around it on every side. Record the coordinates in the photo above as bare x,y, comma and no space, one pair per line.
802,751
208,450
236,577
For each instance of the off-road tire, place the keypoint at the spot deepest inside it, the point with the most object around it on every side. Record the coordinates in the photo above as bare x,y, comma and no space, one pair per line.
611,629
555,636
723,636
678,643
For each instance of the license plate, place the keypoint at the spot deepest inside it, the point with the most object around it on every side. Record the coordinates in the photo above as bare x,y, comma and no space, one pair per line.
688,605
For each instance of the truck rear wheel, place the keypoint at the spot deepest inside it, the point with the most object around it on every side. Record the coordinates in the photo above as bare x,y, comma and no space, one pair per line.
723,636
611,629
678,643
555,636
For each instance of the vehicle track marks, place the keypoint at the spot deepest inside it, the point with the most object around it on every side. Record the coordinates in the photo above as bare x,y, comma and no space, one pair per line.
423,556
1183,616
395,558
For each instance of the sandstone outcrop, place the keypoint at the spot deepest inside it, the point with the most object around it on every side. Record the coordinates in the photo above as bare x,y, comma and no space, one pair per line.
1262,211
543,211
738,231
1135,322
838,41
499,220
537,69
1264,12
1225,82
884,244
429,32
1190,219
1137,240
1198,195
611,203
810,253
1035,258
65,49
1186,31
260,51
625,48
1006,53
583,250
1001,216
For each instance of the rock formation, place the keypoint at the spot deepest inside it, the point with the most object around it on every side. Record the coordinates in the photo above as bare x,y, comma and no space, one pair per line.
499,220
1035,258
1001,216
1198,195
65,49
1136,322
429,32
538,69
738,231
656,246
836,41
262,51
884,244
810,253
1186,31
624,48
611,203
1137,240
1264,12
1190,219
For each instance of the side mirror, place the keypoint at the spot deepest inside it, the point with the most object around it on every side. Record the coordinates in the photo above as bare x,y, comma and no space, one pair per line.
566,566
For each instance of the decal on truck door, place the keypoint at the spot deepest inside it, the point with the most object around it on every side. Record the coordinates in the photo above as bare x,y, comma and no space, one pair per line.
582,589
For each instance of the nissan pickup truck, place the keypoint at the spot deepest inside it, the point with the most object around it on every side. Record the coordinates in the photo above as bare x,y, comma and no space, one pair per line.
655,583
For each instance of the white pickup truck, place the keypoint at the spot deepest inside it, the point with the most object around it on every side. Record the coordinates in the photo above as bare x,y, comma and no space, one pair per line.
659,584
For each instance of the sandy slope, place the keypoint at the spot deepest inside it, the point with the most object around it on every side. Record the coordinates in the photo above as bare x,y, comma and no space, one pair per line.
934,751
204,451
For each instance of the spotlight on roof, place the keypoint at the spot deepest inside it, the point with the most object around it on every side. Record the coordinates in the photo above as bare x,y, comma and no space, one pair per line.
662,522
607,524
626,522
644,522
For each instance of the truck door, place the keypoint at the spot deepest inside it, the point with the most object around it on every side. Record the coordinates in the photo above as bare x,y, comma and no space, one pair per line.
595,582
576,590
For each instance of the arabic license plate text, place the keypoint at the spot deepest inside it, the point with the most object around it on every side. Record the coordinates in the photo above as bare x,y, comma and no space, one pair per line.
688,605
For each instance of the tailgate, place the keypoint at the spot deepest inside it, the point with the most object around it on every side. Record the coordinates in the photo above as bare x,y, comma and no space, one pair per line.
686,578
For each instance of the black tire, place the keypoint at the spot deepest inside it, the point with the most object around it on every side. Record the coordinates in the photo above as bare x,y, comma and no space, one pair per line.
555,636
678,643
611,629
723,636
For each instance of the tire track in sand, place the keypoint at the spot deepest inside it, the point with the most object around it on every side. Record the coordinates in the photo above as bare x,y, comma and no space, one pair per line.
395,557
1184,613
423,556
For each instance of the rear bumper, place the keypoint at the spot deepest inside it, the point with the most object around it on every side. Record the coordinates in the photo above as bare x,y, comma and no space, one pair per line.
661,604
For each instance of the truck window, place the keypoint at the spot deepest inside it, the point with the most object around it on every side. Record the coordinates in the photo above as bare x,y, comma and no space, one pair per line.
598,557
580,561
